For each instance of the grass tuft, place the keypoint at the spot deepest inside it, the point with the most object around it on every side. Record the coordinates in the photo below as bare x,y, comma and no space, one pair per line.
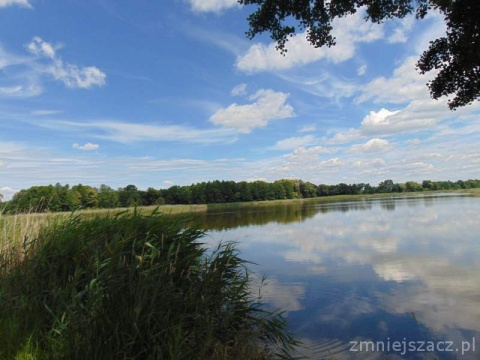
131,286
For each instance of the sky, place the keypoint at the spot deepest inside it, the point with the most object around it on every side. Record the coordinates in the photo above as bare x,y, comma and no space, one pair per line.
157,93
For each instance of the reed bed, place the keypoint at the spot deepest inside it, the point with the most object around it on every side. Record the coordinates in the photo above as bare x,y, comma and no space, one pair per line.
128,286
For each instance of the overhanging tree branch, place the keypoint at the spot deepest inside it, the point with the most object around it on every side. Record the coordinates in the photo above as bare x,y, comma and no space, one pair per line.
456,57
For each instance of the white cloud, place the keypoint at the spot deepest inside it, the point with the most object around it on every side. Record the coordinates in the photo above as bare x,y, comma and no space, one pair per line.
419,114
345,136
379,118
20,91
400,33
41,48
22,3
372,145
322,84
75,77
406,84
362,70
7,59
240,89
71,75
293,142
215,6
308,128
7,193
376,162
125,132
45,112
87,146
348,31
436,29
268,105
8,149
16,81
314,150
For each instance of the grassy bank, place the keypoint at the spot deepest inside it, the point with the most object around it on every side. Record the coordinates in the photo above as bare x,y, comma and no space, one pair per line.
128,286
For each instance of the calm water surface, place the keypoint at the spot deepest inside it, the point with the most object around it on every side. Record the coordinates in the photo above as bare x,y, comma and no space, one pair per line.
386,273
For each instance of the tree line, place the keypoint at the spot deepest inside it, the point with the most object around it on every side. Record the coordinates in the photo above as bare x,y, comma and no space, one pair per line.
55,198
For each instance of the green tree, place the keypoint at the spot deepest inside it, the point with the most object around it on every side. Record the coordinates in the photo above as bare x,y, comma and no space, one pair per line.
245,190
129,196
86,195
385,186
152,197
456,56
198,193
307,189
428,185
412,186
107,197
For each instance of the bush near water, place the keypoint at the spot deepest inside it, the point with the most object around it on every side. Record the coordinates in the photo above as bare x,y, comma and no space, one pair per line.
131,286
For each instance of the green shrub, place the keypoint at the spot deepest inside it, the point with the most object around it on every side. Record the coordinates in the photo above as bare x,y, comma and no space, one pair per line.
132,286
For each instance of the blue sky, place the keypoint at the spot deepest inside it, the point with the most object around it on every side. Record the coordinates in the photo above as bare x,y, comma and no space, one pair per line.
157,93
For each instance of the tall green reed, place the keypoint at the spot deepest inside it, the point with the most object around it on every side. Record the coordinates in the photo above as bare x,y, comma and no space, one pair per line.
133,286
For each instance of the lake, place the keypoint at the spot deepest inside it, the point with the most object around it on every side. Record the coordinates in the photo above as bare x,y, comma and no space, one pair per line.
361,279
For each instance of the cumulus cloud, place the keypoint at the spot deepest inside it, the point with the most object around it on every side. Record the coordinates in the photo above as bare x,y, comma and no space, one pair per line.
293,142
268,105
348,31
342,137
314,150
215,6
7,193
372,145
376,162
378,118
71,75
87,146
418,115
22,3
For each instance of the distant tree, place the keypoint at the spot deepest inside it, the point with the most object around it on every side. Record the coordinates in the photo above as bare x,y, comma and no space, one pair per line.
198,193
428,185
323,190
307,189
152,197
107,197
245,190
385,186
178,195
472,184
412,186
368,189
129,196
456,56
279,191
86,195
